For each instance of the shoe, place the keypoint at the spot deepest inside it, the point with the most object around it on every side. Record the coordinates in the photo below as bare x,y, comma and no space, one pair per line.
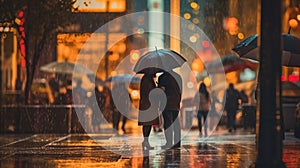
177,145
146,146
123,129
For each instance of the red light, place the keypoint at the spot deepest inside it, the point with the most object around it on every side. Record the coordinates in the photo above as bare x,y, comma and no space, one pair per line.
21,14
205,44
293,78
283,78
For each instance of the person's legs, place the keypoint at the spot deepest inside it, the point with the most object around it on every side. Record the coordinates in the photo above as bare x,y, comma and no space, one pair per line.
177,129
233,120
124,120
199,117
205,122
146,133
230,120
168,129
116,120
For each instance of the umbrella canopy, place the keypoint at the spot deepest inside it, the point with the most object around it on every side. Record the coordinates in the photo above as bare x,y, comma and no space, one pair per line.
228,63
249,48
125,78
98,81
158,61
65,68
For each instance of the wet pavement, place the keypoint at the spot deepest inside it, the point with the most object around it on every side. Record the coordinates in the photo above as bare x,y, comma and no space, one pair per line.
107,149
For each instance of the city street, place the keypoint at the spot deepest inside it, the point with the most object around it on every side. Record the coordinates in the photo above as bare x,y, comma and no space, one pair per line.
107,149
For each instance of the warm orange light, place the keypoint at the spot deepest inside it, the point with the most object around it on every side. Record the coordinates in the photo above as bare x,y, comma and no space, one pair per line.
293,23
232,77
121,47
196,21
197,65
231,24
114,57
241,36
100,5
117,5
187,16
206,81
298,17
194,5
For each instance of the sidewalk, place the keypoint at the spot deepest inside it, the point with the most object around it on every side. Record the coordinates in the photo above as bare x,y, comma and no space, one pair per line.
221,149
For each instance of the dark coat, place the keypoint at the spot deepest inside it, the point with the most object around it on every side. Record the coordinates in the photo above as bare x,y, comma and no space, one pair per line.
147,115
232,100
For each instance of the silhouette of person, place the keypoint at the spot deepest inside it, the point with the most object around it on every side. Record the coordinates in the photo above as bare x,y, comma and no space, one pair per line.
148,114
121,104
244,97
231,106
202,99
97,108
53,82
79,93
171,83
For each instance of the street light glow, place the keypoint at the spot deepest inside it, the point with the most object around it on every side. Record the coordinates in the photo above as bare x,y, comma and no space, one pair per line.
194,5
293,23
187,16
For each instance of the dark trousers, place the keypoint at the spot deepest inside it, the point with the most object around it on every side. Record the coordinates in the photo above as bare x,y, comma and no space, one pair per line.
200,115
172,128
116,119
231,119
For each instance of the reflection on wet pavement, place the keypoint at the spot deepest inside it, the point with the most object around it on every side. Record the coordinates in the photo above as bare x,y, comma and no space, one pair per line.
110,150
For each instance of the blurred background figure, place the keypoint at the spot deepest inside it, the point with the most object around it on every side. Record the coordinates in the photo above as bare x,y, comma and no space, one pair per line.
231,106
98,108
54,85
202,99
121,104
243,97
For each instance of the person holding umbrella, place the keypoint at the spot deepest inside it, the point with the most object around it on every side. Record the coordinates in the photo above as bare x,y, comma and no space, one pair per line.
171,83
148,113
165,60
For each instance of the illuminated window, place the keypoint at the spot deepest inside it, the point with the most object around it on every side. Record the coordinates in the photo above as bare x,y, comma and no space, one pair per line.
89,49
100,5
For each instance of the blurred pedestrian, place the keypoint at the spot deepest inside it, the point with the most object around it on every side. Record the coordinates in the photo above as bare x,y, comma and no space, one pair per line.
97,102
243,97
121,104
148,113
79,93
171,83
202,100
53,82
231,106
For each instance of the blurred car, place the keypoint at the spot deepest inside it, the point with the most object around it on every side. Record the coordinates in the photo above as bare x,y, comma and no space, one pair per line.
40,92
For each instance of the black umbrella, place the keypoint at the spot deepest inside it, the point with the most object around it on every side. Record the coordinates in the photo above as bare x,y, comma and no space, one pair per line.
249,48
158,61
125,78
228,63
